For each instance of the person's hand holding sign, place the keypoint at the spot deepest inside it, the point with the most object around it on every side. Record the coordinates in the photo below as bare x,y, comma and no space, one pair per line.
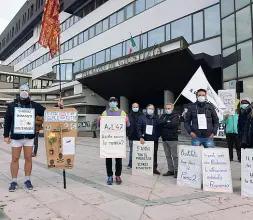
127,120
142,141
7,140
226,116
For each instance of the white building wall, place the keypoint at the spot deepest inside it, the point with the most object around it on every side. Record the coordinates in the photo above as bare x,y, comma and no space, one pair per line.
164,12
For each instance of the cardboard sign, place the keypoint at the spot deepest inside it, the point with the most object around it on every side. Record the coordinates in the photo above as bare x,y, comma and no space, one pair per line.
247,173
113,137
216,170
24,121
229,99
189,166
143,155
60,137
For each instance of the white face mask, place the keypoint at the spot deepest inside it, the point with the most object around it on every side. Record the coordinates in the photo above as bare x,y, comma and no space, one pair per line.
201,99
24,95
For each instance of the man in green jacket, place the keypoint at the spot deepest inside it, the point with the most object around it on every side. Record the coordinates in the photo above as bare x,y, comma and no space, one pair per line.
231,122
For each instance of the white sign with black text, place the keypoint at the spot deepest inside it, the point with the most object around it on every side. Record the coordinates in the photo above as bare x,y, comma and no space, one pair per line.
24,121
228,98
247,173
189,166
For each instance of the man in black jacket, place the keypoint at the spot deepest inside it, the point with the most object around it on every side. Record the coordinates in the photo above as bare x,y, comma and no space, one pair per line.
147,130
19,131
132,130
169,127
201,121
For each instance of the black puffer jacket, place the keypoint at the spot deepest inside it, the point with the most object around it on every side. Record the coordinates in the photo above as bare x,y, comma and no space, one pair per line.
132,129
243,116
247,138
169,126
9,117
191,119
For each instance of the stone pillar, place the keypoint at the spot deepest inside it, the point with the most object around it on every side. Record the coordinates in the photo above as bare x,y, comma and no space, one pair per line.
168,97
124,104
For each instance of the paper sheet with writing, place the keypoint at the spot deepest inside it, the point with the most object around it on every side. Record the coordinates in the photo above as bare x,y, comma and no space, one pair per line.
189,166
68,145
216,170
149,129
202,122
143,155
24,121
247,173
113,137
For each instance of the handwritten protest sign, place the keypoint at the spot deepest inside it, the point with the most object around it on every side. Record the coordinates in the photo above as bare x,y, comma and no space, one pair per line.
221,131
60,116
247,173
24,121
216,170
189,166
112,137
228,98
143,158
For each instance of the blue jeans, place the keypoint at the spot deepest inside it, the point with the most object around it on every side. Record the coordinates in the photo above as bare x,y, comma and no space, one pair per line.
130,153
206,142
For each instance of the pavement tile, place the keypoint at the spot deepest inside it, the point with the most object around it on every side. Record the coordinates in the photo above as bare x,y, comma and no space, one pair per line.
5,195
122,209
178,210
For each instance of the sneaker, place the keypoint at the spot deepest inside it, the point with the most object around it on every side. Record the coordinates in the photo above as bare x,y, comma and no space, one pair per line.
175,174
169,173
110,180
28,184
34,155
13,187
129,166
156,172
118,180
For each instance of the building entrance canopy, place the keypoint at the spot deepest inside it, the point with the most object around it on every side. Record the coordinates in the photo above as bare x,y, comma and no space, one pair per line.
142,77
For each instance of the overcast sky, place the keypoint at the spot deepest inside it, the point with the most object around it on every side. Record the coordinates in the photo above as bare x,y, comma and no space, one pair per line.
8,9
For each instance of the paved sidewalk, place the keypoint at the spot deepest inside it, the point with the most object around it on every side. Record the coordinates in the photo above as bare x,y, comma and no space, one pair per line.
87,196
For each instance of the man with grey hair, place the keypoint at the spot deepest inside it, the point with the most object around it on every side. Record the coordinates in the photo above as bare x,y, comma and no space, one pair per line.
168,124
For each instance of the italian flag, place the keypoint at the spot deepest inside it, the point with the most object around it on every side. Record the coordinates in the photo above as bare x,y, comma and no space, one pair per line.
132,44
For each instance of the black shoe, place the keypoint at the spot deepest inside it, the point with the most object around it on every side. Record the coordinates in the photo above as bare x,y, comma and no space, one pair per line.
175,174
169,173
156,172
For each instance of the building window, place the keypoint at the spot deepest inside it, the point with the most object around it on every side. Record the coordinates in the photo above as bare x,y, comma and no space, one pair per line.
105,24
130,11
182,27
212,21
228,31
139,6
120,16
70,44
150,3
87,62
144,41
66,46
107,55
156,36
91,32
69,73
198,28
23,80
100,57
245,66
241,3
80,38
99,28
99,3
75,41
116,51
229,73
243,24
76,67
167,29
227,7
113,20
85,36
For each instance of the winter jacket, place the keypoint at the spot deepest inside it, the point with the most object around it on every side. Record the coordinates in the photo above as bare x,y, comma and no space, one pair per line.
9,117
169,126
243,116
231,124
141,128
247,138
132,129
191,119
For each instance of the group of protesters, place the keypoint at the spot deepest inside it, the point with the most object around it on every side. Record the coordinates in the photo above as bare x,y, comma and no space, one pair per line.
200,120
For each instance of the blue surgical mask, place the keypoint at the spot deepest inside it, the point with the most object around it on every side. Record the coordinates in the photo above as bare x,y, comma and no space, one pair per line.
150,111
244,106
113,104
168,111
135,109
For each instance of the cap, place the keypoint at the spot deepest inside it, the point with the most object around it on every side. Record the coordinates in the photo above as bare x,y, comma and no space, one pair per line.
24,87
249,100
113,99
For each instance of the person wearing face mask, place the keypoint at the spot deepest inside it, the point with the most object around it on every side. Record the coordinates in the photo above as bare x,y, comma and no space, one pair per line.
244,112
19,140
169,130
201,121
147,130
132,130
113,110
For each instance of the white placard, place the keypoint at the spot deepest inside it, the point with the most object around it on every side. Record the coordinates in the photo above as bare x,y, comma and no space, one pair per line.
247,172
189,166
113,137
228,98
24,121
68,145
60,116
143,156
216,170
221,131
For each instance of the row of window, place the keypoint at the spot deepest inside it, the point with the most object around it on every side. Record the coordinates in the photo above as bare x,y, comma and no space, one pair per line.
107,23
229,6
64,25
189,27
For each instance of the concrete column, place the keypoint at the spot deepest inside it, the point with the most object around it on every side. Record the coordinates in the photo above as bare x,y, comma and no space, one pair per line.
168,97
124,104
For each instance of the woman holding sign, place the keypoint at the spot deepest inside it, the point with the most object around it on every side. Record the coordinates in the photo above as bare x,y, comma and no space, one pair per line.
19,131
